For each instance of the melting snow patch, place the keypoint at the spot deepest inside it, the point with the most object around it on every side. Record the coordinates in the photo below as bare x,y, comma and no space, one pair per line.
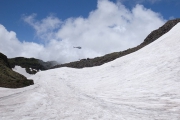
22,71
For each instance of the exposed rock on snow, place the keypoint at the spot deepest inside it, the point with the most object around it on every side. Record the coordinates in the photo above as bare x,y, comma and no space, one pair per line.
34,64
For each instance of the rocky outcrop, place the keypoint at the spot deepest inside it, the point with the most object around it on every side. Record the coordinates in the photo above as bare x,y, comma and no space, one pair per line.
4,60
161,31
154,35
31,65
9,78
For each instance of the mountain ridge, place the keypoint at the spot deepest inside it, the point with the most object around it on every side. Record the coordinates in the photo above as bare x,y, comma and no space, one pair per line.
31,65
154,35
90,62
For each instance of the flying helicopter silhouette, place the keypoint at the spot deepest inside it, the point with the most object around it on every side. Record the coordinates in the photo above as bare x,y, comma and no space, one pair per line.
78,47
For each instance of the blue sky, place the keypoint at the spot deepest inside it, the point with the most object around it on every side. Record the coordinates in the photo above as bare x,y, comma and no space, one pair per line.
12,11
24,17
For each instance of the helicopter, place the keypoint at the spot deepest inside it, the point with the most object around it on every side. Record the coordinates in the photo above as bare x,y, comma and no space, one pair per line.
78,47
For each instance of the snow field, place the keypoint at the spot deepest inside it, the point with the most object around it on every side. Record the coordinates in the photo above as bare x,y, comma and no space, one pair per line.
140,86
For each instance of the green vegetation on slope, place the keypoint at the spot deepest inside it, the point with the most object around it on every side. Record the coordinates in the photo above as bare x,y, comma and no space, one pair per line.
9,78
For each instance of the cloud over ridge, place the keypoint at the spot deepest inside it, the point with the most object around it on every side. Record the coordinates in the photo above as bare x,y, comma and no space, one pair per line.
109,28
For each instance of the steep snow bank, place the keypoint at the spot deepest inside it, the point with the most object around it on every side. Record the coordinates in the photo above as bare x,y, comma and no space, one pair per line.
140,86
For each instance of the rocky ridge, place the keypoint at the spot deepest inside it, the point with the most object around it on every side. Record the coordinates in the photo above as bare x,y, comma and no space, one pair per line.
32,65
112,56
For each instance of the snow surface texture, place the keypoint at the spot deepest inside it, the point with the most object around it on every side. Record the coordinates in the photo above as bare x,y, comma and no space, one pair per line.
21,70
140,86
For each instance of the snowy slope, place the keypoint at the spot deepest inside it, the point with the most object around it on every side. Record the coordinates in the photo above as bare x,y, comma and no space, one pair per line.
21,70
140,86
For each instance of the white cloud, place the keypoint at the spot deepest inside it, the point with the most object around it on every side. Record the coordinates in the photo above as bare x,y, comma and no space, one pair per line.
12,47
46,25
111,27
140,1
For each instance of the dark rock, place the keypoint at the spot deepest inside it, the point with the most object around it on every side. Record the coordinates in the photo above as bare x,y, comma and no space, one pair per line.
4,60
161,31
32,63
